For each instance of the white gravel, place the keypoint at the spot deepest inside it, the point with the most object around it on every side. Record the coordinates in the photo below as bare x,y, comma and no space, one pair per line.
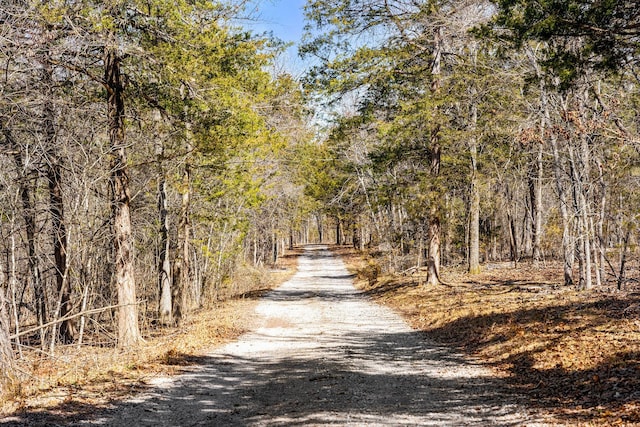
325,355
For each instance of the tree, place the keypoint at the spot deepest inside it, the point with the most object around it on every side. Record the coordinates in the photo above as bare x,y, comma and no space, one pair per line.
53,172
580,34
165,306
7,368
128,330
26,179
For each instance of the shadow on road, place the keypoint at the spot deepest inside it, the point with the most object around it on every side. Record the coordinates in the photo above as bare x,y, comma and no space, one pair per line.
361,369
223,390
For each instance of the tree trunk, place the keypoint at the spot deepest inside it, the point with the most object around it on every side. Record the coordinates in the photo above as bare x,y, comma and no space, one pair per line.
128,330
67,329
600,225
567,245
7,367
584,207
595,259
580,162
255,248
474,197
585,182
13,284
513,228
536,206
434,226
568,250
623,258
291,239
274,248
581,212
433,259
181,263
320,228
513,239
448,231
34,264
181,270
164,264
30,229
355,241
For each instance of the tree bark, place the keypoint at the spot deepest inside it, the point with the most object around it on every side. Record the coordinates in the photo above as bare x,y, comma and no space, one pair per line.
128,330
164,264
580,210
579,160
567,244
513,238
181,263
275,253
623,259
320,228
434,225
536,205
28,214
600,226
568,250
585,184
433,260
67,330
181,270
474,196
7,366
13,283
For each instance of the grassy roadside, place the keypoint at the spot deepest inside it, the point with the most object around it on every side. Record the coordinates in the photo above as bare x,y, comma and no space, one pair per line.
77,380
574,354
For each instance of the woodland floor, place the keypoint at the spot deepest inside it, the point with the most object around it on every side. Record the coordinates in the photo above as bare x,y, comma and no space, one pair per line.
576,355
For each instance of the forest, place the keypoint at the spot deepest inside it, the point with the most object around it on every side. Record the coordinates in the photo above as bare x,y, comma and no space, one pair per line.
153,152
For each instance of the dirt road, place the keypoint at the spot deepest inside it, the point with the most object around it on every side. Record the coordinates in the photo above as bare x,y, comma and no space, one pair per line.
325,355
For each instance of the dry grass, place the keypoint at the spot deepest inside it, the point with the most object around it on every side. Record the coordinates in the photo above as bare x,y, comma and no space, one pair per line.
80,379
574,354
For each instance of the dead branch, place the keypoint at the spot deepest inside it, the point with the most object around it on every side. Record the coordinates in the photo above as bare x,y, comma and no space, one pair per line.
54,322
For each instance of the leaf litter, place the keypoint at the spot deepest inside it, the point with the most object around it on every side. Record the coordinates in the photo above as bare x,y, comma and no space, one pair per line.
575,354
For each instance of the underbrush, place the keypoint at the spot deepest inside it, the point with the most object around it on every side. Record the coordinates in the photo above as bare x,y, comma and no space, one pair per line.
81,378
573,353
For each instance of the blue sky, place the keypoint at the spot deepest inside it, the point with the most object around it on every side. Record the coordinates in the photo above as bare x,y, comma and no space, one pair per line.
286,20
283,17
